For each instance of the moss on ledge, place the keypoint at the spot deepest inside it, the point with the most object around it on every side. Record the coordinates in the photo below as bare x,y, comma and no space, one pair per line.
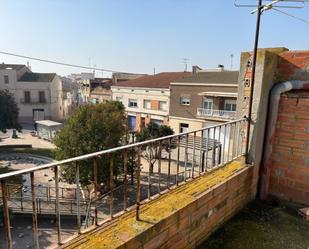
119,231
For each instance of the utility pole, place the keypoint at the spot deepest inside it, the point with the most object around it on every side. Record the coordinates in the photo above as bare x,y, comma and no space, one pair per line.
256,43
272,5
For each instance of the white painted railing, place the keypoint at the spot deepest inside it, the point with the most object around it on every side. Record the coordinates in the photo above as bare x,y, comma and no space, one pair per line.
215,113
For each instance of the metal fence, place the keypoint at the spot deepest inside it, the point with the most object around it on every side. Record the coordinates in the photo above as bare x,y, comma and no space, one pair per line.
161,164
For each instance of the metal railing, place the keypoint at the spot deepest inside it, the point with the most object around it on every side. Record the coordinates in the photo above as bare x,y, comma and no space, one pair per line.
161,164
216,113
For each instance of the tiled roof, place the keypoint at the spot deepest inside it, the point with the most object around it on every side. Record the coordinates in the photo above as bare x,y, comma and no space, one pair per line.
225,77
161,80
38,77
11,66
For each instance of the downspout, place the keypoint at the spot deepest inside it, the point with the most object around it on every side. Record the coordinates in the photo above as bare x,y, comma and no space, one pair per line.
272,114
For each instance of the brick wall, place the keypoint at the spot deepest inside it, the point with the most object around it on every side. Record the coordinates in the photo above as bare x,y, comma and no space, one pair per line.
293,65
289,175
181,218
191,225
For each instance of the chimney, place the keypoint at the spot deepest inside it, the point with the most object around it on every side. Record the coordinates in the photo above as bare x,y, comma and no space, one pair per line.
221,67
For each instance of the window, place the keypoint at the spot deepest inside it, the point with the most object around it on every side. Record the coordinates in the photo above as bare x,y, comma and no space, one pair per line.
230,105
183,128
6,79
184,100
207,104
27,97
163,105
42,98
119,99
147,104
132,103
132,122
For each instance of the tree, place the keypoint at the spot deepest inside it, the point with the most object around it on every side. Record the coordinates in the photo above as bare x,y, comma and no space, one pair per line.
92,128
151,151
8,112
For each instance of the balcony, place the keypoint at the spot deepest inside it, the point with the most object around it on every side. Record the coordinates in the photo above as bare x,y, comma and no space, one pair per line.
33,101
201,112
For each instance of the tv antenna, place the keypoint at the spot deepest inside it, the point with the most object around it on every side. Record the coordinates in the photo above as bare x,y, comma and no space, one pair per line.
185,62
260,8
232,57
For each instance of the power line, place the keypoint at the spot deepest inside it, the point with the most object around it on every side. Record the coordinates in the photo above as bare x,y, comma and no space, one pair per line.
62,63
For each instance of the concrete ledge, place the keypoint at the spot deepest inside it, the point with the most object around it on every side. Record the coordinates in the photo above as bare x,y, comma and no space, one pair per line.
182,218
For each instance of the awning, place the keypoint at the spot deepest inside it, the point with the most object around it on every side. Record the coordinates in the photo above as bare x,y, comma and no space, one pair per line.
219,94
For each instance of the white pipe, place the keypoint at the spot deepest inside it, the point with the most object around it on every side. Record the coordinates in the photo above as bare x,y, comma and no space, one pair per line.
275,95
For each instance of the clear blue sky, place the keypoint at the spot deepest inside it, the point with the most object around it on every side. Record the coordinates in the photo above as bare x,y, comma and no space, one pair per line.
138,35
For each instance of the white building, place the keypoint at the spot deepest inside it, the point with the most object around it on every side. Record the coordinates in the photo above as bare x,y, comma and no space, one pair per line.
38,95
146,98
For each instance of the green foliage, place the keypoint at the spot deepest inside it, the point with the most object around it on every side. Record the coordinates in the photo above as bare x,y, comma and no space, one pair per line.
151,151
8,112
92,128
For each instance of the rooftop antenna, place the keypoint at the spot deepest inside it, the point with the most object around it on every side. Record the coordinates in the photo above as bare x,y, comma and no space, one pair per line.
260,9
185,62
232,57
154,71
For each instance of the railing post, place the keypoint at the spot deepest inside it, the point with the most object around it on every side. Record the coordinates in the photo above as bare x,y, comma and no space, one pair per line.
169,163
34,213
186,156
58,221
224,138
125,181
201,152
95,180
77,191
138,190
159,167
6,215
214,149
178,157
111,185
149,172
207,149
193,154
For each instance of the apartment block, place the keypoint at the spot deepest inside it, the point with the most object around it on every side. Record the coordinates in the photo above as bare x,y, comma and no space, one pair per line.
205,98
146,98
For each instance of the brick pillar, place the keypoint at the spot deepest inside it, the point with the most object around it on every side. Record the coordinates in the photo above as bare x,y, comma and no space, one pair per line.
267,60
138,122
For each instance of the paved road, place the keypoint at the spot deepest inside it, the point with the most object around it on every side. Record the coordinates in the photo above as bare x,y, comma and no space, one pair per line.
22,233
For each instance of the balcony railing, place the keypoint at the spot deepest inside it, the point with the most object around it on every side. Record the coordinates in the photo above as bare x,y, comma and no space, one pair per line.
216,113
33,101
178,158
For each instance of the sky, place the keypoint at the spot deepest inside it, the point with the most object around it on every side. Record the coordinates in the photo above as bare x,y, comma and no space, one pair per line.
140,35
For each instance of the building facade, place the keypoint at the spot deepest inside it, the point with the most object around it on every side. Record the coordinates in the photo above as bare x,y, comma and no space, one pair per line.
146,98
100,90
38,95
203,99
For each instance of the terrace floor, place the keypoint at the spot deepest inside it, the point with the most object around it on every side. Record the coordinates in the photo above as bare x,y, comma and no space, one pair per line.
263,226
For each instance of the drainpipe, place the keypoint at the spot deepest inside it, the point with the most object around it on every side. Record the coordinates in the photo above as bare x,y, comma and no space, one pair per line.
272,114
